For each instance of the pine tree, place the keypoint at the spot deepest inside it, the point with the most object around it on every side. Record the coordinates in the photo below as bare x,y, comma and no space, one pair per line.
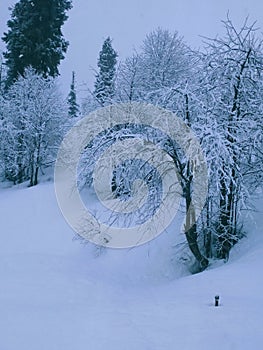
73,109
104,84
34,37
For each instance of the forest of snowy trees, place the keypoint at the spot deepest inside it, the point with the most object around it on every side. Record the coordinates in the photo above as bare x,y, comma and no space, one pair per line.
217,92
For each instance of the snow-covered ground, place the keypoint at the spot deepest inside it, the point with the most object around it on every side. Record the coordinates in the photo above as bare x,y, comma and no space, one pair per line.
56,294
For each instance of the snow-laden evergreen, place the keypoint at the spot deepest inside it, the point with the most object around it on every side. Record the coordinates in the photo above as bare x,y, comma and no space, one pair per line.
34,37
104,88
73,107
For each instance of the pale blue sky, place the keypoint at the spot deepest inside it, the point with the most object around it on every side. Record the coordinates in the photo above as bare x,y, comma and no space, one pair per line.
127,22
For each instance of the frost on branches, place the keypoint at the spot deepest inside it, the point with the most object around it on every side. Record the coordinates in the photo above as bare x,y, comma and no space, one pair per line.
31,127
219,94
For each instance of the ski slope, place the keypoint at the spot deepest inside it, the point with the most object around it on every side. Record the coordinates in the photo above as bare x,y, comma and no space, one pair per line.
57,294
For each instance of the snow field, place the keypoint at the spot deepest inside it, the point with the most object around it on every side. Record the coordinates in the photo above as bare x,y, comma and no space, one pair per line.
56,294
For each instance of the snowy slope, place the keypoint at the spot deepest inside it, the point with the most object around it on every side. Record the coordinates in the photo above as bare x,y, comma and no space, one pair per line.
56,294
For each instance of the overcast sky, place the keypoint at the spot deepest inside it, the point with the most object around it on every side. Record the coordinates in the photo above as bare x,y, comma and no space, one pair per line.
128,22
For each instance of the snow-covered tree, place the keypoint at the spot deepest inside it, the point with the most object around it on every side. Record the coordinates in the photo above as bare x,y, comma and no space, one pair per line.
165,63
73,107
232,124
32,126
104,87
128,79
34,37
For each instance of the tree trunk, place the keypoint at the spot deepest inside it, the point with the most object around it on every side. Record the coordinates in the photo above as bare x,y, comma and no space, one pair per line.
190,223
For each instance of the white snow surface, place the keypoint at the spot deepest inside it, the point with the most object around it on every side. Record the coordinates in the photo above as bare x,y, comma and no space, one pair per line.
55,293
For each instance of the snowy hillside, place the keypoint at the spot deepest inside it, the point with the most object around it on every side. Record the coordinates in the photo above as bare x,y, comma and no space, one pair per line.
56,294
